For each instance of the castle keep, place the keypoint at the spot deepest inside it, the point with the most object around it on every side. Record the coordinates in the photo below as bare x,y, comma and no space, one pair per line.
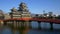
21,12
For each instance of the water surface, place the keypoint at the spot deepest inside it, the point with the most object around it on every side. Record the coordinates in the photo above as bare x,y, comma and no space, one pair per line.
4,29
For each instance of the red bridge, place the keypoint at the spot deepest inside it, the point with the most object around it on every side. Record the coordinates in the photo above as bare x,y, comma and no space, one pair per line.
57,21
17,21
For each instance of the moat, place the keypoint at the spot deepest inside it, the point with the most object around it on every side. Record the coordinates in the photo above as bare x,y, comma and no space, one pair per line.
9,29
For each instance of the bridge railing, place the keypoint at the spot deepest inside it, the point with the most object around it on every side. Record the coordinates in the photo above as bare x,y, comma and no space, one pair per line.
47,20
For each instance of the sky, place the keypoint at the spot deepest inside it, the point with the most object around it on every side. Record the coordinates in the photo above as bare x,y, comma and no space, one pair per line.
34,6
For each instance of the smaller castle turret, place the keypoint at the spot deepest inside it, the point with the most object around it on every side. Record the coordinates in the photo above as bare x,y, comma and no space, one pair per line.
14,13
14,9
